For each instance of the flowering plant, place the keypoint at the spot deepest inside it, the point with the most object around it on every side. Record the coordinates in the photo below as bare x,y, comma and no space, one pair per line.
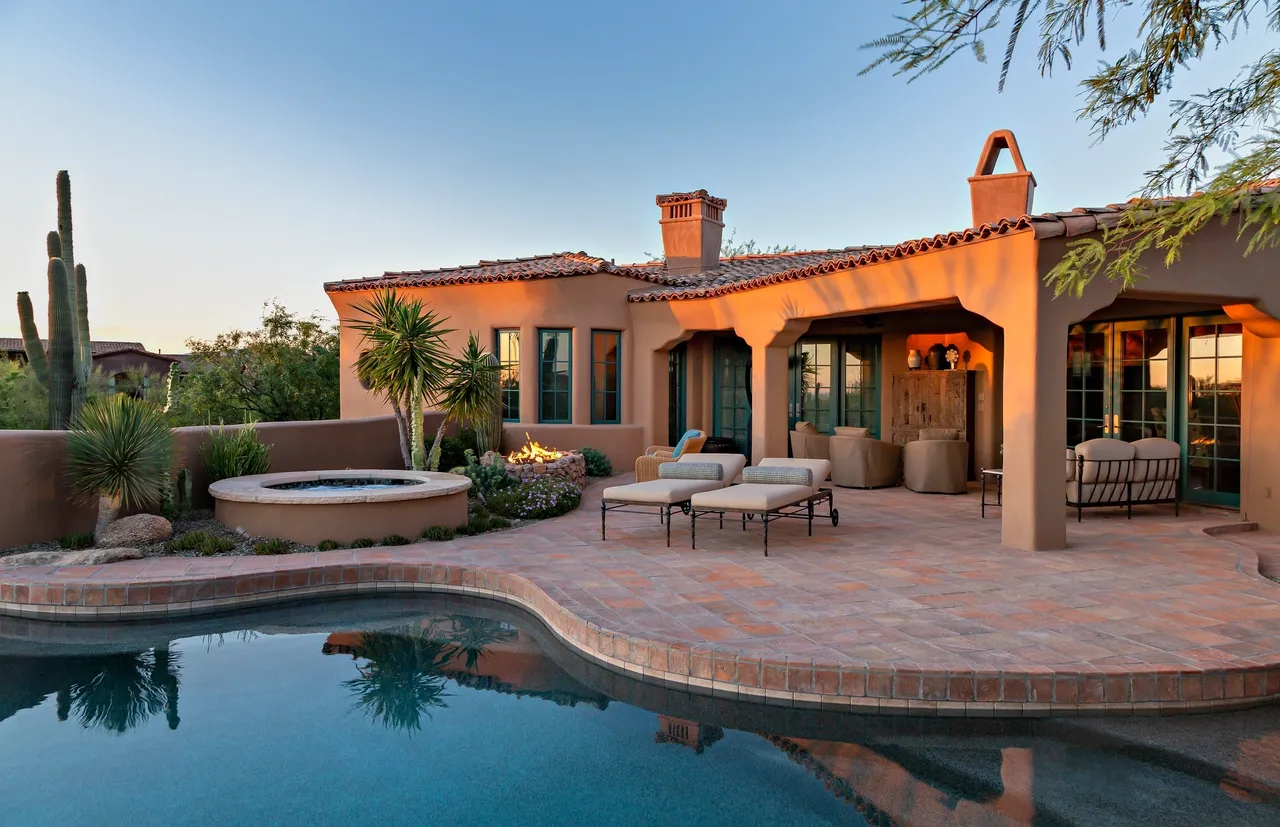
540,498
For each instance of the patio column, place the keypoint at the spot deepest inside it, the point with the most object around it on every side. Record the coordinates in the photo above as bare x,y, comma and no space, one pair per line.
1035,426
768,402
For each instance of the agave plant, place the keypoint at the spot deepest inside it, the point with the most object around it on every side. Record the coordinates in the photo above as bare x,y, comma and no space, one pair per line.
119,450
469,394
405,361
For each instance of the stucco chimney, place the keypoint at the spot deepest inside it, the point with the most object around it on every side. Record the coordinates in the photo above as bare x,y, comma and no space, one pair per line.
1000,195
692,226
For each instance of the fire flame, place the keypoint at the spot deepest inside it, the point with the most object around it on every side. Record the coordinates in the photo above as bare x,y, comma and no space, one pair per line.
532,453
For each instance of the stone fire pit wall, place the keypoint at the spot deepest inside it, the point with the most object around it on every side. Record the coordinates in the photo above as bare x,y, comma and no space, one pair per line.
571,466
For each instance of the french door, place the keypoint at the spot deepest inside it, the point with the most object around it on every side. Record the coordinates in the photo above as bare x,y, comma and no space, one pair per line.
731,393
677,392
1213,372
836,382
1118,380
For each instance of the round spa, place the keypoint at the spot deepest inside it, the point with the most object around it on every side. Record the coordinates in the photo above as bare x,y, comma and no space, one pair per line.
310,506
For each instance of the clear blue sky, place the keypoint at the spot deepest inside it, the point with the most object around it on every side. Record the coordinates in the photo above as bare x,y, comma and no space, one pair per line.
227,153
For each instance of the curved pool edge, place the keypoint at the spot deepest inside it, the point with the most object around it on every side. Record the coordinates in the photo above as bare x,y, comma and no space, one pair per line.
1019,692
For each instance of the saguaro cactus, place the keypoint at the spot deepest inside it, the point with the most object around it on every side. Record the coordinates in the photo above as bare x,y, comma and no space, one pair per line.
63,369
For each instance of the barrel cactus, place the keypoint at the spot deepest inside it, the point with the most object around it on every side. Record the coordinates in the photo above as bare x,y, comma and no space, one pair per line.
65,366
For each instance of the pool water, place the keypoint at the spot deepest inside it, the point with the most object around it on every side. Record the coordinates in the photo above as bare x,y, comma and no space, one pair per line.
415,711
342,485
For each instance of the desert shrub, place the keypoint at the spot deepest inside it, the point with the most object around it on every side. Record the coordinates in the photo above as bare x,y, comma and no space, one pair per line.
272,546
496,523
201,542
453,449
362,542
395,540
537,499
438,533
486,480
76,542
598,464
234,453
465,530
327,545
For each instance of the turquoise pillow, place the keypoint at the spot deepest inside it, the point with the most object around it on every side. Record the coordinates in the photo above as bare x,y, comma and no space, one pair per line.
688,435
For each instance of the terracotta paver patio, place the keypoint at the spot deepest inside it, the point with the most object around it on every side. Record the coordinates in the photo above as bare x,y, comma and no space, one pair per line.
909,605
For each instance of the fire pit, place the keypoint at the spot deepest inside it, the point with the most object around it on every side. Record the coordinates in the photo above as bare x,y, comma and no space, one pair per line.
533,460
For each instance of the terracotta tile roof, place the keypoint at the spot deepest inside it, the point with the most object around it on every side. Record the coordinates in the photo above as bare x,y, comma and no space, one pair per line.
677,197
553,265
749,272
13,345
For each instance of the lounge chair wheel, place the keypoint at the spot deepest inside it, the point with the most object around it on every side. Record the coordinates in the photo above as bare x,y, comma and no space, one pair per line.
835,516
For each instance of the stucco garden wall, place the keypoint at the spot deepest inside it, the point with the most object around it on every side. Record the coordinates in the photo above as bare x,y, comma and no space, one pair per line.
37,503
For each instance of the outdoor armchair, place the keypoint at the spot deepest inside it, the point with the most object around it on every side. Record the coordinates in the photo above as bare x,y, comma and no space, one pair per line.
858,461
936,463
807,442
655,455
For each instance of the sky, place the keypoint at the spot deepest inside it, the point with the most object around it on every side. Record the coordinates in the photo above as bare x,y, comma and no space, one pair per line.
226,154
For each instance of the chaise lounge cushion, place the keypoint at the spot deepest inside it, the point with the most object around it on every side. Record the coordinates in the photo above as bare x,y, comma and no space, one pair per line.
658,492
751,496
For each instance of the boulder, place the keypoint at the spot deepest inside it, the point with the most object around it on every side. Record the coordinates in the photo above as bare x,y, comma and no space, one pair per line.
100,556
138,530
33,558
88,557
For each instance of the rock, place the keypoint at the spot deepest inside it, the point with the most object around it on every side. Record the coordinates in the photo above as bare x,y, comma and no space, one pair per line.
100,556
33,558
88,557
138,530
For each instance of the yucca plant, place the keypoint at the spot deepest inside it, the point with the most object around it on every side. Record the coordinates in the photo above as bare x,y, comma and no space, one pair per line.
469,395
119,450
404,360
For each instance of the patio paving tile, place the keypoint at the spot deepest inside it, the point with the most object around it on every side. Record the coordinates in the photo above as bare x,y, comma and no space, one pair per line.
913,589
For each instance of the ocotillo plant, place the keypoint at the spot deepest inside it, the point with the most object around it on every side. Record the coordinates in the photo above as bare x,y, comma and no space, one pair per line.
63,369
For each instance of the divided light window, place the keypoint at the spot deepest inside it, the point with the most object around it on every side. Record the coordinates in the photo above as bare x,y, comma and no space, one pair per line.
555,376
508,351
606,371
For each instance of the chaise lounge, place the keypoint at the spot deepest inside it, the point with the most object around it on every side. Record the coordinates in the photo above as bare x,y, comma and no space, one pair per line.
678,480
774,489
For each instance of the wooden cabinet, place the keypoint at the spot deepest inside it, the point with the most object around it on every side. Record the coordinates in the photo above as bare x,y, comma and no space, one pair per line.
932,399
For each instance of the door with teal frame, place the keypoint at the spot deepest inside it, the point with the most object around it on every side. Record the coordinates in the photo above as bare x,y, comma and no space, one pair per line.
677,384
836,382
731,393
1212,374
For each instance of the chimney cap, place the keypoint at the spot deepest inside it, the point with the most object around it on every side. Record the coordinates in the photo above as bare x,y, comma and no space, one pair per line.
997,141
696,195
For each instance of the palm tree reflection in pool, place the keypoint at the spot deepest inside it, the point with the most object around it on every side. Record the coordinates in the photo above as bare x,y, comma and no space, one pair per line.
404,673
120,692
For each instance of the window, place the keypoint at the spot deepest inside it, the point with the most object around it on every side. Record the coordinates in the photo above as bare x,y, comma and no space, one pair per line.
606,384
555,376
509,373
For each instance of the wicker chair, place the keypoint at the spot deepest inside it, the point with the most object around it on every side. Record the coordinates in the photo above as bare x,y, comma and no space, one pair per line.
655,455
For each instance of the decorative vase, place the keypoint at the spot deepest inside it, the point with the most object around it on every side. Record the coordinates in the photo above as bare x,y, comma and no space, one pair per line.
936,359
914,359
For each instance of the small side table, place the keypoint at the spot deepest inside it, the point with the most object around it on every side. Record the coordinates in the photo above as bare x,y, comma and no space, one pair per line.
996,474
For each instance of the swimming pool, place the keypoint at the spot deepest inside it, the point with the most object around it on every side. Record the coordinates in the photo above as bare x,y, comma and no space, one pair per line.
446,711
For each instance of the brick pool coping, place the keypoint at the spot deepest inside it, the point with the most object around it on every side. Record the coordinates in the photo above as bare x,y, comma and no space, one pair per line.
78,594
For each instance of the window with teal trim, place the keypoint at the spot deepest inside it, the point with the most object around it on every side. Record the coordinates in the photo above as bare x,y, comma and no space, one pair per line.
508,349
555,376
606,381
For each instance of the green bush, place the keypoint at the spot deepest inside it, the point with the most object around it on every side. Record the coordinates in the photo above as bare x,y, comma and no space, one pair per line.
76,542
327,545
537,499
598,464
487,480
272,546
201,542
465,530
453,449
438,533
362,542
496,523
395,540
235,453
